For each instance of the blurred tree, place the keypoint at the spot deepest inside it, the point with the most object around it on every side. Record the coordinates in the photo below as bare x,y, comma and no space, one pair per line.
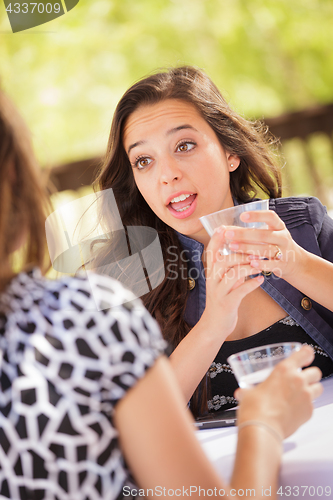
66,76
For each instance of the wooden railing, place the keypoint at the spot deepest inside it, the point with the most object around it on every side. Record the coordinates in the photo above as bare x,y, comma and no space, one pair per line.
301,125
75,174
304,125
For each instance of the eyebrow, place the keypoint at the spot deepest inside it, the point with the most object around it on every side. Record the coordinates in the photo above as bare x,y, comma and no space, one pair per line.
181,127
135,145
171,131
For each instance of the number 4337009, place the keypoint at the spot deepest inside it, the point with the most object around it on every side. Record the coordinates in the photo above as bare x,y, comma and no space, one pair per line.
301,491
30,8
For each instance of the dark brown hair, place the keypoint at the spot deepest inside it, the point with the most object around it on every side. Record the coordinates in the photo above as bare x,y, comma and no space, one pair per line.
238,136
23,200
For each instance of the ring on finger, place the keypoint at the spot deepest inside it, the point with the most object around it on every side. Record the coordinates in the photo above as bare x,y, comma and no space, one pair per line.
278,254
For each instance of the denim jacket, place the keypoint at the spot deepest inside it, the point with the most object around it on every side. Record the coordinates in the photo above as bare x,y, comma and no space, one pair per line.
312,229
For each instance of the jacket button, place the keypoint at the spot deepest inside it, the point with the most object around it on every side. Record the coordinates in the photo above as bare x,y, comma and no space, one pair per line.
190,283
266,273
306,303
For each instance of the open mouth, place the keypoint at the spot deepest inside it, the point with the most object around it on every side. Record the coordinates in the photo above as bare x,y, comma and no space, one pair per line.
183,205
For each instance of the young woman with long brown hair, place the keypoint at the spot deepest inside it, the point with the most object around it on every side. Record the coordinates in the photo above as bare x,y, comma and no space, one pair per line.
176,152
70,375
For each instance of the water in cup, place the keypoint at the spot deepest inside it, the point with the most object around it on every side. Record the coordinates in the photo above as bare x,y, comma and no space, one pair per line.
252,379
254,365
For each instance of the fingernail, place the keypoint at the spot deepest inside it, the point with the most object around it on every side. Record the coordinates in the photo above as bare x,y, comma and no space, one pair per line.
229,234
234,246
219,229
253,263
245,216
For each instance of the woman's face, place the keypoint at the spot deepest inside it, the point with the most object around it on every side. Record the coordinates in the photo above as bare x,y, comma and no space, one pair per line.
178,164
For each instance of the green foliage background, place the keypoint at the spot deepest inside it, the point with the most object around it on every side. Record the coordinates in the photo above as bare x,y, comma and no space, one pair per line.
268,56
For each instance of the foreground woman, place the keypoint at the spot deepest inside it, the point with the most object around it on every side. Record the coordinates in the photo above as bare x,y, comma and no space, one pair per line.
82,391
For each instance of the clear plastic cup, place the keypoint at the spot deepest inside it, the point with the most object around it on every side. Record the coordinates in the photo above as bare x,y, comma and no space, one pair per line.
252,366
231,217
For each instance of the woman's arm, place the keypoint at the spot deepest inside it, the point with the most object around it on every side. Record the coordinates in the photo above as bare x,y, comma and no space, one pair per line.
283,402
160,447
226,286
310,274
313,276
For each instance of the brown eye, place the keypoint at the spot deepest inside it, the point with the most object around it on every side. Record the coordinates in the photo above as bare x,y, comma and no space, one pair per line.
184,147
142,163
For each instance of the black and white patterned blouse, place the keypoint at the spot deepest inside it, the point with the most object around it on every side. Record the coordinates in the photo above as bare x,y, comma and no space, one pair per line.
64,365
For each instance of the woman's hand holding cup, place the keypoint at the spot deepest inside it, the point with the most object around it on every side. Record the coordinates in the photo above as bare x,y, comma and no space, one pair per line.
284,400
226,284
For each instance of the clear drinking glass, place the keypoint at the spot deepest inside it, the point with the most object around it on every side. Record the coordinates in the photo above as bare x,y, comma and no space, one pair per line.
254,365
231,217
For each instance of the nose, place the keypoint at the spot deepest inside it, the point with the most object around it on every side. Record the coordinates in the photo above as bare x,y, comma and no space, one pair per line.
169,171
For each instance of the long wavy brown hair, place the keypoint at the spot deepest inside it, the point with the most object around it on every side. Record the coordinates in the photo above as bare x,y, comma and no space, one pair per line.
23,201
258,169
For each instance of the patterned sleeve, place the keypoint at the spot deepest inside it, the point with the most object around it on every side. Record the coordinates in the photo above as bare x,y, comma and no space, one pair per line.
71,349
122,335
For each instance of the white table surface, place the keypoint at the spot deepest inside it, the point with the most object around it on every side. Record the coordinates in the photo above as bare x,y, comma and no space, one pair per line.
307,457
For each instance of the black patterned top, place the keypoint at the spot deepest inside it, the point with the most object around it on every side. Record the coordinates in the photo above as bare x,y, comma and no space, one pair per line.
222,380
64,365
